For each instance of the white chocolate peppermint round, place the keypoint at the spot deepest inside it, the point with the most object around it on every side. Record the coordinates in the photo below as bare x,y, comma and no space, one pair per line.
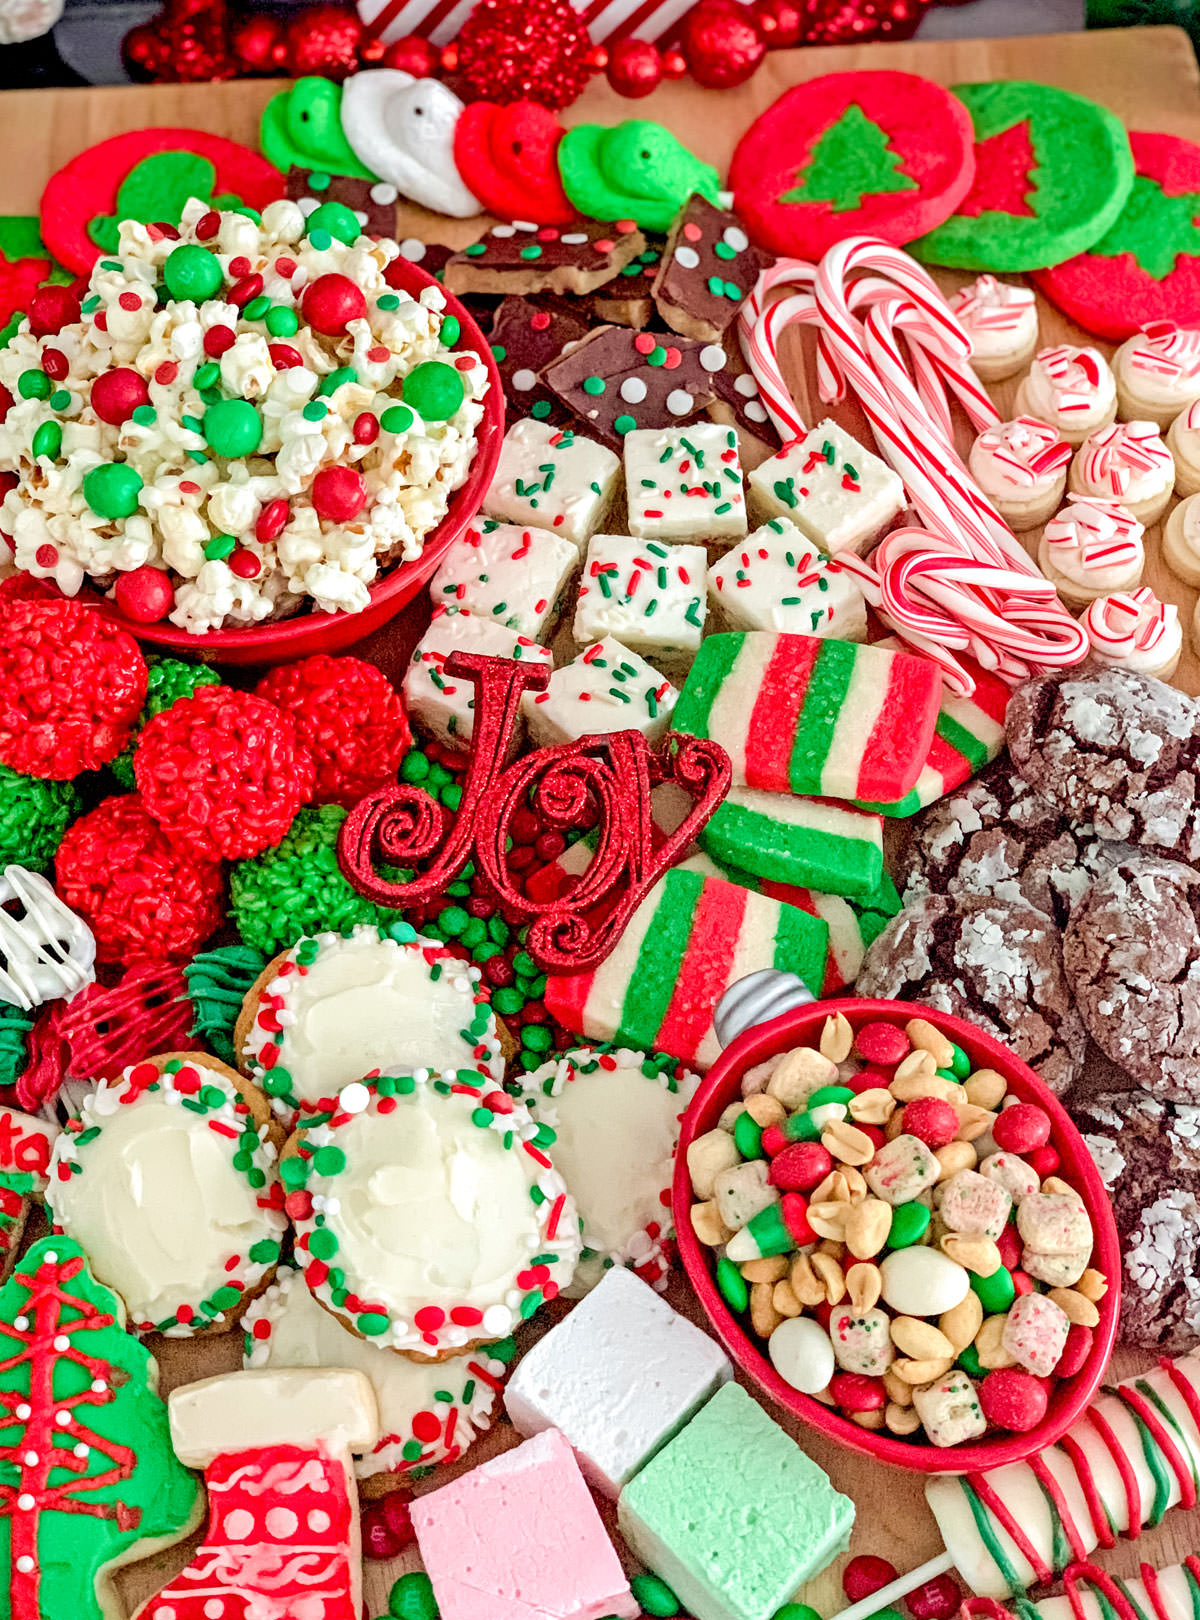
171,1186
1071,389
999,318
434,1218
1095,544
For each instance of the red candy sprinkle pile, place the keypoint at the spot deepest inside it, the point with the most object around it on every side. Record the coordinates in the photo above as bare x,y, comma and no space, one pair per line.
223,772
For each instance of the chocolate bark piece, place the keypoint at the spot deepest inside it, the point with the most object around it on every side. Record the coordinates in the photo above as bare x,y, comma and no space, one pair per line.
626,299
575,258
708,269
527,336
617,380
738,404
374,201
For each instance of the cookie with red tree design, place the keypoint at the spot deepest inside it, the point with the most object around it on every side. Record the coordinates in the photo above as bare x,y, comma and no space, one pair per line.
878,154
1146,267
1052,172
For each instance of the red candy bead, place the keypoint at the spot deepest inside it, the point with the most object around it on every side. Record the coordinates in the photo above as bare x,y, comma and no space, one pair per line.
1043,1161
144,594
338,494
244,564
1009,1244
1014,1399
1075,1351
867,1574
937,1599
931,1120
218,340
330,302
1021,1128
366,428
117,394
773,1141
55,364
52,308
800,1166
882,1043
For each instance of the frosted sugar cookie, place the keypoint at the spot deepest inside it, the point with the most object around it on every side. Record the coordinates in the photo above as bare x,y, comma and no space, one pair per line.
1092,548
1021,466
169,1180
1183,441
1002,323
429,1215
1073,390
1181,541
1126,462
338,1006
1133,630
1158,373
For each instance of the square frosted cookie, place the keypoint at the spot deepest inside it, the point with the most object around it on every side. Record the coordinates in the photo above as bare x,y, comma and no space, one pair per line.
508,573
685,483
830,487
607,688
648,1368
647,594
445,704
780,580
553,478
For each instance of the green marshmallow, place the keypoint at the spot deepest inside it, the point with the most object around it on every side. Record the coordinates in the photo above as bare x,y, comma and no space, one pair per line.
302,128
112,489
636,170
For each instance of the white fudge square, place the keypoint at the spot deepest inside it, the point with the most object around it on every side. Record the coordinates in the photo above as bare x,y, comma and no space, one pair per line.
607,688
647,594
510,573
830,487
445,704
619,1376
685,483
780,580
554,478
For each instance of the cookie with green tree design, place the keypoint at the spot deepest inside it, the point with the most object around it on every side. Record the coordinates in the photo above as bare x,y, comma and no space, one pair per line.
878,154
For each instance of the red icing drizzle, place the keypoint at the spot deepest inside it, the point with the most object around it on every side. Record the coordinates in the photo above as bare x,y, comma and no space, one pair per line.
1103,1583
1091,1492
997,1507
1053,1489
1178,1463
1133,1496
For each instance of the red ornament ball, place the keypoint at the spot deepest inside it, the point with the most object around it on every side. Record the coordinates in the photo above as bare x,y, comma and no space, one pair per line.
523,50
117,394
52,308
780,22
720,43
144,898
852,22
330,302
635,67
338,494
71,687
223,773
414,55
323,40
349,718
144,594
258,45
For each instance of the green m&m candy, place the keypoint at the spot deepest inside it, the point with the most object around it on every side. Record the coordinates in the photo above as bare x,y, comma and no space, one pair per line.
411,1598
232,427
654,1595
997,1292
191,271
434,389
337,219
112,490
910,1222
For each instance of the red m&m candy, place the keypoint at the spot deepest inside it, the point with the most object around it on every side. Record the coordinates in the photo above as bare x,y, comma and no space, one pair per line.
117,394
865,1574
331,302
931,1120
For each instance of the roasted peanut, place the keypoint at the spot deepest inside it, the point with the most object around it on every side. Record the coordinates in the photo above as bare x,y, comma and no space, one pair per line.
899,1393
864,1284
1092,1285
989,1344
1078,1309
901,1419
837,1038
973,1121
985,1088
962,1322
920,1340
915,1062
828,1220
894,1126
928,1039
708,1225
767,1270
806,1285
856,1185
764,1318
867,1227
977,1254
765,1110
922,1372
847,1143
835,1189
955,1156
831,1247
831,1275
923,1083
1056,1184
783,1297
874,1107
868,1420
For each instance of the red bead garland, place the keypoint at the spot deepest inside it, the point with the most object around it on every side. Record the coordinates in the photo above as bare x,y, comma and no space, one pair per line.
635,67
720,43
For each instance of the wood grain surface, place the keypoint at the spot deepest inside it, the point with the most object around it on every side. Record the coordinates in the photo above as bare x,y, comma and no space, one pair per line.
1148,76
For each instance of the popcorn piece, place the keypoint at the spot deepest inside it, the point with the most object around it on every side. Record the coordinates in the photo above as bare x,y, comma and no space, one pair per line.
648,1370
902,1170
861,1341
1054,1223
554,478
607,688
445,704
648,595
1009,1170
510,574
832,488
1035,1332
742,1192
949,1410
779,580
684,483
975,1205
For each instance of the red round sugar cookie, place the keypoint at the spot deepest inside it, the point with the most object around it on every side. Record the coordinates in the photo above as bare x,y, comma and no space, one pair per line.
1146,267
508,156
876,154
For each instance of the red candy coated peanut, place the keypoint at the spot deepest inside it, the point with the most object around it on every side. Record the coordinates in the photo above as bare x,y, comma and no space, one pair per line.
1043,1161
882,1043
1009,1244
800,1166
366,428
330,302
1022,1282
855,1392
773,1139
1075,1351
1021,1128
244,564
935,1600
117,394
873,1132
219,339
338,494
144,594
283,356
795,1217
867,1573
1014,1399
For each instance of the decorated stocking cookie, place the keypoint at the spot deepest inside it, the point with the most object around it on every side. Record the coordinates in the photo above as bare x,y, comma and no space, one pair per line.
25,1147
88,1480
283,1538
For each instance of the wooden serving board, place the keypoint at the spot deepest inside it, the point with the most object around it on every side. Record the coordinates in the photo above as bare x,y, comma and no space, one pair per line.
1148,76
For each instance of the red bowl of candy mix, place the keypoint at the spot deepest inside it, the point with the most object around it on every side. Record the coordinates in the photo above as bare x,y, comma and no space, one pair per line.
952,1309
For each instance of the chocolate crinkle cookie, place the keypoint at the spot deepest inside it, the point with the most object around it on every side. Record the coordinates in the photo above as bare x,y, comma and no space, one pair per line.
1132,957
995,835
996,963
1148,1153
1115,750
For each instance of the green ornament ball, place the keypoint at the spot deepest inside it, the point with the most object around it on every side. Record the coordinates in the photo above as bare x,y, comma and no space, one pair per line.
232,428
433,389
411,1598
34,815
112,490
334,217
192,272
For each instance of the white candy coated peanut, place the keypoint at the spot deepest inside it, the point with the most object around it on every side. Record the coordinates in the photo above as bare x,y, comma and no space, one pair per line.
801,1354
922,1282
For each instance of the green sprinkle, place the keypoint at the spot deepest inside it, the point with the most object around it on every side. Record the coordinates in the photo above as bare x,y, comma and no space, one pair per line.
315,411
329,1161
624,424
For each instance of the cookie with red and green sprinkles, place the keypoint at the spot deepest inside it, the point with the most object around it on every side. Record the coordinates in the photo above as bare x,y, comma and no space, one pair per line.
428,1212
364,1001
169,1178
429,1412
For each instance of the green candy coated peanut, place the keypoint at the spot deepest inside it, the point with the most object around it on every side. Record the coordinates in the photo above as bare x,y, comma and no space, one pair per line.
47,441
828,1094
112,490
412,1598
960,1063
800,1127
910,1222
947,1074
747,1137
191,271
997,1292
732,1285
434,389
654,1595
337,219
233,428
335,379
970,1363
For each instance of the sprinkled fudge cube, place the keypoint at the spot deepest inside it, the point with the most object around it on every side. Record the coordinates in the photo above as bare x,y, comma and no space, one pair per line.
647,594
445,704
685,483
648,1371
830,487
508,573
732,1514
554,478
607,688
519,1538
779,580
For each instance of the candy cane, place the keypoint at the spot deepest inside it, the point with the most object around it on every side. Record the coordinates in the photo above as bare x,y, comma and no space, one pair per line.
762,356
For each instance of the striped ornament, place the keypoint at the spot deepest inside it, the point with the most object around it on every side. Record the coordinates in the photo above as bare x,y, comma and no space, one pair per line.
810,842
440,20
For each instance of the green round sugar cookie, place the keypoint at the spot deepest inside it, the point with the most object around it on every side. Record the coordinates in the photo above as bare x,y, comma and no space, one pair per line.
1052,172
636,170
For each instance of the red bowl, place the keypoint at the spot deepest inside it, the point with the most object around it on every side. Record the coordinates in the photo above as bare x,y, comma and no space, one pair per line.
722,1086
284,639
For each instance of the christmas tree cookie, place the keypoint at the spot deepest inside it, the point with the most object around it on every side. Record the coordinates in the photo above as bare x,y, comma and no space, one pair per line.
1146,267
88,1479
877,154
1052,172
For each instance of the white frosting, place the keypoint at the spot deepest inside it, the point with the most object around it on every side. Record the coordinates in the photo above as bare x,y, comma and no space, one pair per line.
1161,365
647,594
684,482
779,580
555,478
1191,527
1072,389
1022,460
1126,462
508,573
831,487
47,951
1096,544
1134,630
607,688
445,704
999,318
